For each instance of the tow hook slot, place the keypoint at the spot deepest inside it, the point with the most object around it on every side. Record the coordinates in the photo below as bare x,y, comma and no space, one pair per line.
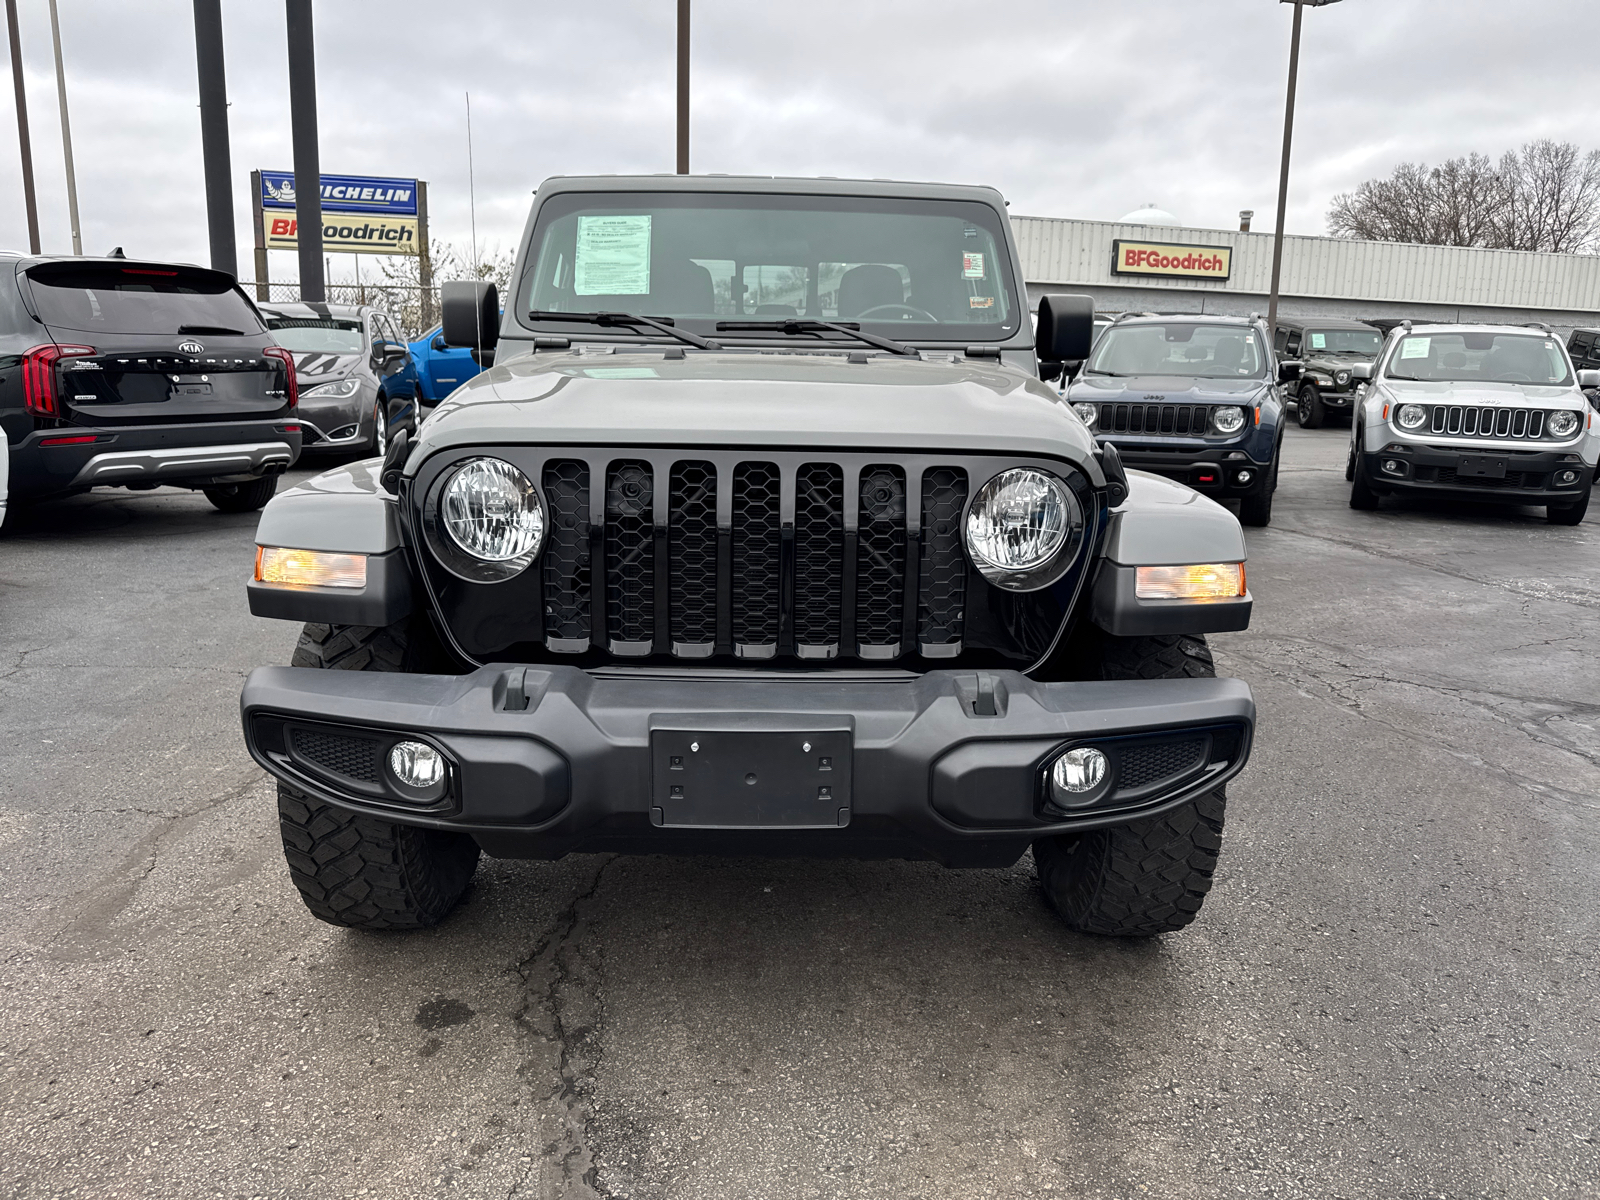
516,690
982,695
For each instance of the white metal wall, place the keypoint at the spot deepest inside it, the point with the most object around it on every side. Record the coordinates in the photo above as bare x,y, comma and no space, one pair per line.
1078,253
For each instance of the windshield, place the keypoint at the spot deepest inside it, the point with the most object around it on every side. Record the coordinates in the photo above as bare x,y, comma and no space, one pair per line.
1478,358
1344,341
317,335
931,269
1179,348
158,300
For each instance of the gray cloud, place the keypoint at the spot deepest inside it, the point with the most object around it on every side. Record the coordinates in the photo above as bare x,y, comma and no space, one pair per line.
1072,109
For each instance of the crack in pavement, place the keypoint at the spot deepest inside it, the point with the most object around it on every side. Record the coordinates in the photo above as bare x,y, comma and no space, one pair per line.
572,1001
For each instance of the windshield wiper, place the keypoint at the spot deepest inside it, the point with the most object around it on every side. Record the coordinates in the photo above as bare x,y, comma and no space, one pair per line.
664,324
1113,374
808,325
219,330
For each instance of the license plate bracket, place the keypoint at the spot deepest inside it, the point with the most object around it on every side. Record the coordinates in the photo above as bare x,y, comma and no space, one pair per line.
1479,466
721,778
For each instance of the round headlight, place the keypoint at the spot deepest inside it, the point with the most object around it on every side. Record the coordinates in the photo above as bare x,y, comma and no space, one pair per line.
1018,527
1343,378
1227,418
1411,416
491,510
1561,423
1087,413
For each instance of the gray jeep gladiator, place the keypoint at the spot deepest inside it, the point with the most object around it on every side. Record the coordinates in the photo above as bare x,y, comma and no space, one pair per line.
759,535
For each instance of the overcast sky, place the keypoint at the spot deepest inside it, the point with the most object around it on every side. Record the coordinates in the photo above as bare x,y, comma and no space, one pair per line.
1072,108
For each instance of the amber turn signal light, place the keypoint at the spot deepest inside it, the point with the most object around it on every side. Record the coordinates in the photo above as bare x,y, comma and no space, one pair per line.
282,567
1197,581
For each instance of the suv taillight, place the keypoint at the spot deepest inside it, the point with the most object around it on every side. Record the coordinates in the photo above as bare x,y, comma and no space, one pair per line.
287,359
39,392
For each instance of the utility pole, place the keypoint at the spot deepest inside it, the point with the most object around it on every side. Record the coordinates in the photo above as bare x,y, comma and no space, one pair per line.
66,133
1283,170
23,142
683,87
214,134
307,164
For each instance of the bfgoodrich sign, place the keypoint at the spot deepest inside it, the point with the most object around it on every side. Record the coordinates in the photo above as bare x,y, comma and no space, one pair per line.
363,214
1171,260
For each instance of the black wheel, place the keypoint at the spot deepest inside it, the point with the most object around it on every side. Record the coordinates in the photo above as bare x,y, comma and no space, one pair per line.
1350,465
1151,875
1362,495
243,497
358,870
1309,409
380,427
1256,510
1567,514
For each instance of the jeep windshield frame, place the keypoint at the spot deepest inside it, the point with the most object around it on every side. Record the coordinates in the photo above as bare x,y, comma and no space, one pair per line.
907,269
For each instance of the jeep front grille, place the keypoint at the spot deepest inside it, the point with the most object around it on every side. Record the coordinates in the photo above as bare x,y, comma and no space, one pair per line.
1466,421
1185,420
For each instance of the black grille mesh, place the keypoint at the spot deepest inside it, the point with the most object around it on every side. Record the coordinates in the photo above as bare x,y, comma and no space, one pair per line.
566,558
1141,765
630,553
881,556
352,757
692,544
943,574
756,551
819,553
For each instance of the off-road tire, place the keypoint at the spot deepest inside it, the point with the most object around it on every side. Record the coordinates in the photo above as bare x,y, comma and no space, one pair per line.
242,497
359,870
1311,413
1256,510
1362,495
1567,514
1151,875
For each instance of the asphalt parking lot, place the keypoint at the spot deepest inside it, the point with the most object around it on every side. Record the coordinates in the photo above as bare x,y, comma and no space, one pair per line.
1391,992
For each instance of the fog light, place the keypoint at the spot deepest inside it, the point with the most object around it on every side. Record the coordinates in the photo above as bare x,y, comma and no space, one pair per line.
1566,478
1243,477
283,567
416,765
1076,774
1394,466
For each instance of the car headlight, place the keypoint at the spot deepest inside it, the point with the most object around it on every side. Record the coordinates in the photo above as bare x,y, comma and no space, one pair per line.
491,520
337,390
1561,423
1343,377
1411,416
1227,418
1087,413
1020,527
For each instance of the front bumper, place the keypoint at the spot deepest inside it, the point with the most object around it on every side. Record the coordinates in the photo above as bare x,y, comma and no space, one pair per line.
1531,477
947,765
329,422
189,455
1214,470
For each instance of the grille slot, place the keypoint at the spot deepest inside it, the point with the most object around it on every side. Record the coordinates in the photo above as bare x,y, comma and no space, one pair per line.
630,559
881,561
757,548
1510,424
566,566
1143,765
692,541
941,608
353,757
1173,420
819,559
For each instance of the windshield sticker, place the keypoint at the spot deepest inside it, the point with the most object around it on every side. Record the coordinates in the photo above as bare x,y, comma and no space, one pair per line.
972,265
1415,347
980,301
612,256
1319,341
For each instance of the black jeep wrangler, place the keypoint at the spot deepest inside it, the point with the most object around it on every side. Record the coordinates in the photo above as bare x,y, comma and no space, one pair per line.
759,536
1327,348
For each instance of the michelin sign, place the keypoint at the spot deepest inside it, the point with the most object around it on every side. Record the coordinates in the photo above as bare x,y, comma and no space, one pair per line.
361,214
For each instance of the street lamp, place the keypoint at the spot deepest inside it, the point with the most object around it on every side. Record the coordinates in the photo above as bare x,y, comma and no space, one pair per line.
1283,171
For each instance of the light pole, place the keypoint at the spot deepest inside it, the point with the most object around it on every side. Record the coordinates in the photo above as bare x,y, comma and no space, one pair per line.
23,142
214,134
66,132
683,87
1283,171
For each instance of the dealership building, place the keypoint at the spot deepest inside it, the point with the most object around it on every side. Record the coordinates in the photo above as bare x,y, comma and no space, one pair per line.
1151,263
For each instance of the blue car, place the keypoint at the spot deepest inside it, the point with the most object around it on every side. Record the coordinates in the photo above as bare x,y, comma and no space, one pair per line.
435,370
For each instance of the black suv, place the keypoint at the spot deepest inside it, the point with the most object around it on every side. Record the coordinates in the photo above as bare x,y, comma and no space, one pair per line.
115,372
1329,347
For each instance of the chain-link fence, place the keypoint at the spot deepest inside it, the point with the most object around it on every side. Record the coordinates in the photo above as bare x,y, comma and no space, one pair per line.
415,309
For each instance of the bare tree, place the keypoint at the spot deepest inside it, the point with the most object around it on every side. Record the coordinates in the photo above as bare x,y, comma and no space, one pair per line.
1544,197
402,278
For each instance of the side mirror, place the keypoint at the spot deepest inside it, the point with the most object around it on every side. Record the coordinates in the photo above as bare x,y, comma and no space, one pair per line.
1066,328
1361,371
1070,370
438,343
1589,379
1289,370
394,351
1049,371
470,314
